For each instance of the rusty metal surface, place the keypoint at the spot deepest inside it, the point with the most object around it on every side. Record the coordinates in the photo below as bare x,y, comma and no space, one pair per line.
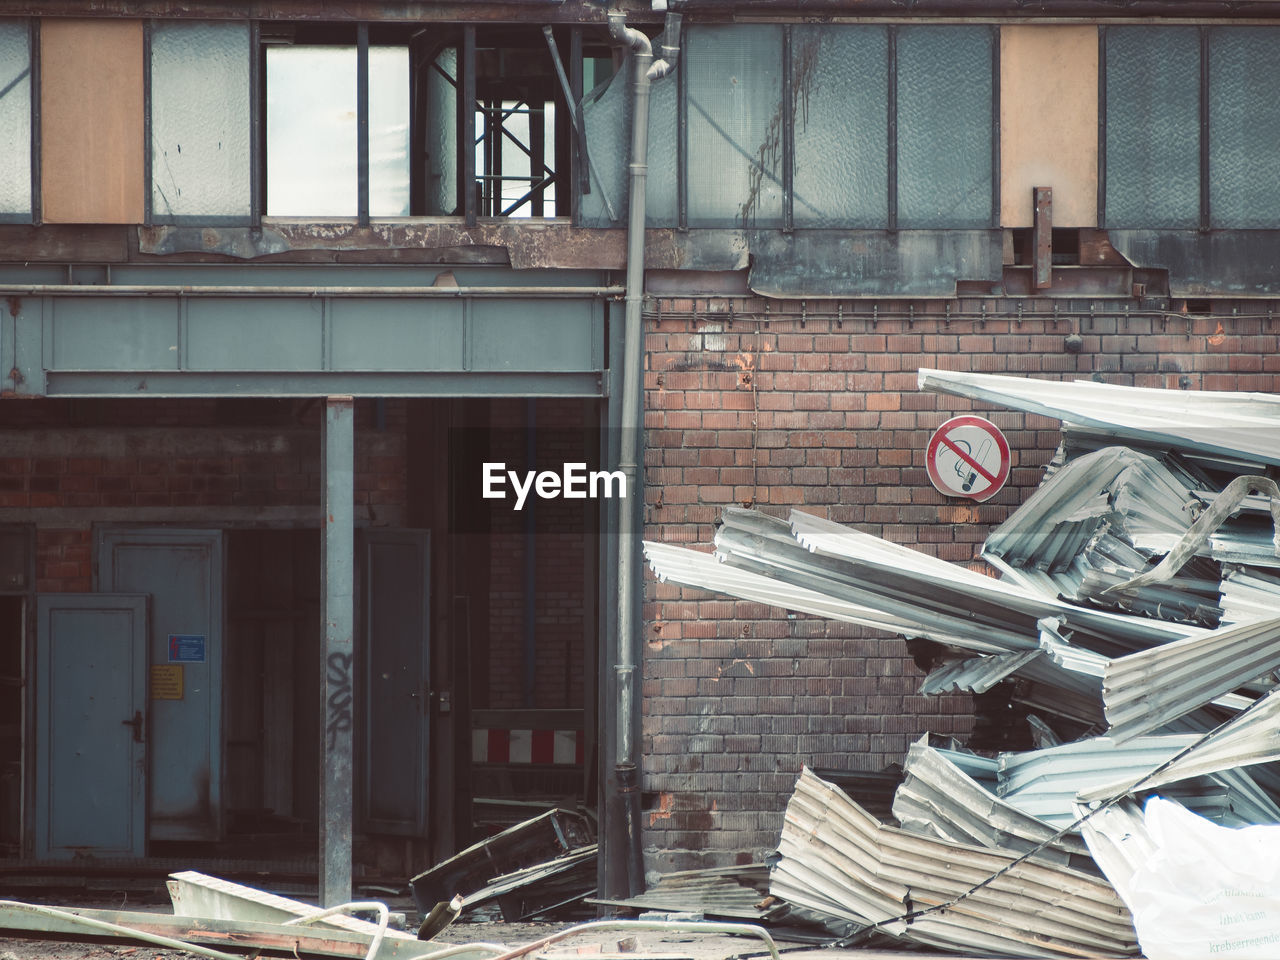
522,244
1070,281
1220,263
868,263
1042,238
506,11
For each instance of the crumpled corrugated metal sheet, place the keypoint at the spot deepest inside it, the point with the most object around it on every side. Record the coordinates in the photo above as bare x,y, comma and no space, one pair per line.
838,859
1239,425
1187,673
937,798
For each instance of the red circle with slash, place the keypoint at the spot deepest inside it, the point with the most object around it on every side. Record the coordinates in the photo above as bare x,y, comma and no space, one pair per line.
968,457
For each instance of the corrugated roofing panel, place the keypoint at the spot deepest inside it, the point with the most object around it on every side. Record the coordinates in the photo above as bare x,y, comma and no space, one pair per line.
1252,737
1144,690
838,859
1243,425
938,798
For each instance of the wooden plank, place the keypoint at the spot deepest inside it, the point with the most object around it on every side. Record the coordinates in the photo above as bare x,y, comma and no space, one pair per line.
1049,122
91,139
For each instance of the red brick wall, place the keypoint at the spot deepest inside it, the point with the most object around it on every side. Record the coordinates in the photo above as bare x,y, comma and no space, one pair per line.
817,408
187,459
559,587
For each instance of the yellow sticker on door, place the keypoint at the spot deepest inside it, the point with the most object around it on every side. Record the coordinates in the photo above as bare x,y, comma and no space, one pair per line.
166,681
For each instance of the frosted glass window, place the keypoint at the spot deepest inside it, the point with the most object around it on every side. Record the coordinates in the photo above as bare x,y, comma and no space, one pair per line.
1153,127
840,88
200,125
606,116
735,125
944,127
15,120
662,186
312,162
1244,127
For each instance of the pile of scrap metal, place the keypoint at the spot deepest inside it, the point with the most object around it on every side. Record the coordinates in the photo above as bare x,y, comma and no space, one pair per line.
221,920
1133,623
538,868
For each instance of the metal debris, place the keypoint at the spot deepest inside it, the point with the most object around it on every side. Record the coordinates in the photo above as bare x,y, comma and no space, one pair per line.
839,859
528,869
735,893
1134,623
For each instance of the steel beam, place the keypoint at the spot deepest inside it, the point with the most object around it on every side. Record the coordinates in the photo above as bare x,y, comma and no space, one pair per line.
337,685
265,383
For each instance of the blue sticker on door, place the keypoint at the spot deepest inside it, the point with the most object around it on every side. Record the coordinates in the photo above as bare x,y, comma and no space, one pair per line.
186,648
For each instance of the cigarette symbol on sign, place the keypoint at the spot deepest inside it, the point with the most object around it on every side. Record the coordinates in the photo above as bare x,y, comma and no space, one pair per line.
960,464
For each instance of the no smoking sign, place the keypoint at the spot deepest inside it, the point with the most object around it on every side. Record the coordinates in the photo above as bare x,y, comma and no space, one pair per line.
968,457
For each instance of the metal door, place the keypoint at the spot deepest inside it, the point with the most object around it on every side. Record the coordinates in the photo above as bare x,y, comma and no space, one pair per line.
90,671
396,690
182,571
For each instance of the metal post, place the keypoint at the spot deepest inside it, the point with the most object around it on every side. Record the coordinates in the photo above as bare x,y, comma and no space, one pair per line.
362,124
467,106
337,685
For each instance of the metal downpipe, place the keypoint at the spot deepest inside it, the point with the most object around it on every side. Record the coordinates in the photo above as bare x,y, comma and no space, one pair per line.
622,820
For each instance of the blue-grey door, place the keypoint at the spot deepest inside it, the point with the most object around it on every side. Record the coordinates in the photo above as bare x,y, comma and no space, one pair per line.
394,750
91,688
182,572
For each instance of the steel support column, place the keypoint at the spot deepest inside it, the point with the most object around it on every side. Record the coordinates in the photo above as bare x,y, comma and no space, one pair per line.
337,685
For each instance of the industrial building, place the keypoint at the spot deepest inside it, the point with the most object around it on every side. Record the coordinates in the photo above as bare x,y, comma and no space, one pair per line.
280,276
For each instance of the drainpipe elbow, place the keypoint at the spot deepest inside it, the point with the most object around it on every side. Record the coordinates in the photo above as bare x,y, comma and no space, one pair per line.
625,36
669,48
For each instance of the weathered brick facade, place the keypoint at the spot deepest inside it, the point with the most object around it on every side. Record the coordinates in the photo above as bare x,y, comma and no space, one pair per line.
816,407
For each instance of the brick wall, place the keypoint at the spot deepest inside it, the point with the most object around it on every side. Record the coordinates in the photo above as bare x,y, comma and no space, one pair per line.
559,539
817,408
65,466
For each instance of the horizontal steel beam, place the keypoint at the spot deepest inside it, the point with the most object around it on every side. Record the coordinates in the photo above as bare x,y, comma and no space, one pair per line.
214,290
506,11
256,383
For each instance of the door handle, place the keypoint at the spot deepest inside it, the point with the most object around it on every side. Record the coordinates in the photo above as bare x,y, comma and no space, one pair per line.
136,723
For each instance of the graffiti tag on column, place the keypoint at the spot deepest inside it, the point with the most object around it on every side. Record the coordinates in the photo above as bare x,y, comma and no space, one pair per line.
340,696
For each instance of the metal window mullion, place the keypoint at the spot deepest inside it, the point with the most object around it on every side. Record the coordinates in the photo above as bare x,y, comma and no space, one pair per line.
578,179
33,53
362,124
256,97
537,157
788,135
148,191
1205,212
892,141
995,127
467,108
1102,126
682,136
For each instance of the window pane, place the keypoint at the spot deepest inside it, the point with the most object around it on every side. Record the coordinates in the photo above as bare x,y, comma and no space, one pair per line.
1244,127
311,131
662,184
606,116
1153,127
200,120
944,127
389,131
15,118
840,89
735,125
